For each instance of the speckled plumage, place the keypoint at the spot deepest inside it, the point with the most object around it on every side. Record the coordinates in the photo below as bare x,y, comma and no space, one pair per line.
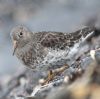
32,48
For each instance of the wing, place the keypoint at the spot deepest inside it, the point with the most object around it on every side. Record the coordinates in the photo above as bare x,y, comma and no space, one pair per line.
53,39
59,39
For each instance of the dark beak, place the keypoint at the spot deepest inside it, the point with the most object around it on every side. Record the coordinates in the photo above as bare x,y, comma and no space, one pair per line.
15,44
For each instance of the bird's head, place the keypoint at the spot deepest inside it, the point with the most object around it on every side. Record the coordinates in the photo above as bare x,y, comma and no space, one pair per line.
20,36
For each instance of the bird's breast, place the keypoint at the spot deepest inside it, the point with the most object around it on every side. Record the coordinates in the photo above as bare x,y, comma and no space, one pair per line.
27,57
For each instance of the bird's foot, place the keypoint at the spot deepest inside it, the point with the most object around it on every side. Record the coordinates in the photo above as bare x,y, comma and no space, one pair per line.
53,73
59,71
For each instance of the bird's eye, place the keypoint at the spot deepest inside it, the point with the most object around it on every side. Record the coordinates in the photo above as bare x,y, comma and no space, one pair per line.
21,33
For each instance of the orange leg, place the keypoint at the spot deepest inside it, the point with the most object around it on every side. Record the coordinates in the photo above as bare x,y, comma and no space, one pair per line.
53,73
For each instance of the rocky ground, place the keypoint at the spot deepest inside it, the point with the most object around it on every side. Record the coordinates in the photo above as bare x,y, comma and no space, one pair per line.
79,81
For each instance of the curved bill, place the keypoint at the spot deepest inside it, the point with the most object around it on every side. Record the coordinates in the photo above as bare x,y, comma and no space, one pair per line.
14,46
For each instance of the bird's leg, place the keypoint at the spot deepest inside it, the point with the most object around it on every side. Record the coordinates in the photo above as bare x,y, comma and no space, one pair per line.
60,70
53,73
50,76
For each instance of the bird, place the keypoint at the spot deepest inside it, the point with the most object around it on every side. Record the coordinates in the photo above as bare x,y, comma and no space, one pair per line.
31,48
